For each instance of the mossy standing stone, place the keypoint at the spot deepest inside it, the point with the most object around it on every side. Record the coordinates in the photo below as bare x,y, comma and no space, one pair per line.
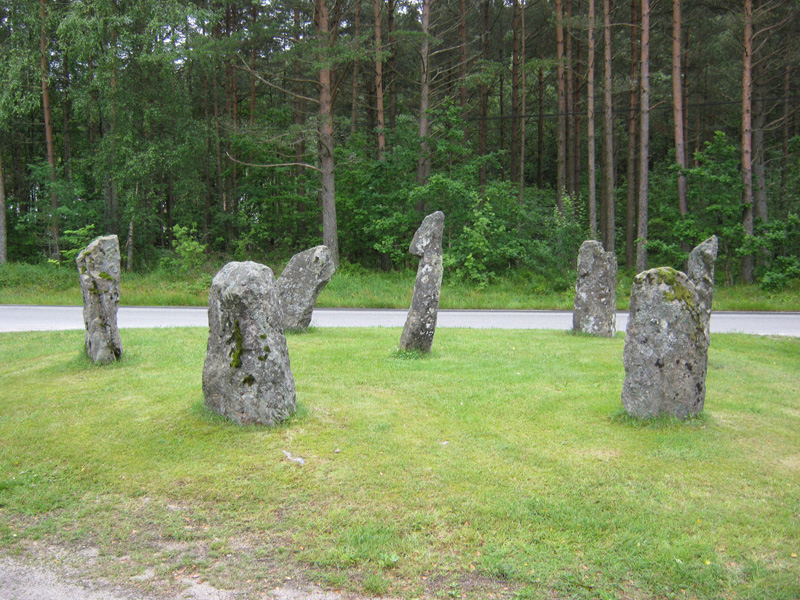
300,284
666,345
421,320
247,376
595,291
99,270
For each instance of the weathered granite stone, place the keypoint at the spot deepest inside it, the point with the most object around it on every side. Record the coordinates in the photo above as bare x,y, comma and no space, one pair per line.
247,376
666,346
301,282
98,266
595,291
421,321
701,272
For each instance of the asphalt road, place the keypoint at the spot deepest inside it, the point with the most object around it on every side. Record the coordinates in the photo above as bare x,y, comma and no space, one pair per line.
49,318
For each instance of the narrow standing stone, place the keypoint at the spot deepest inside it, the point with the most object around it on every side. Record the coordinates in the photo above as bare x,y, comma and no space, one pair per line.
246,375
701,272
300,284
666,346
98,266
421,321
595,291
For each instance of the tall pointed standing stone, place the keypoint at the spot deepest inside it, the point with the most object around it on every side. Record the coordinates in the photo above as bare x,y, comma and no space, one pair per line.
701,272
246,375
666,345
300,284
98,266
421,321
595,291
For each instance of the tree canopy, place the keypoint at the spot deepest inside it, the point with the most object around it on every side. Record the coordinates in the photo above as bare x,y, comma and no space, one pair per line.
228,122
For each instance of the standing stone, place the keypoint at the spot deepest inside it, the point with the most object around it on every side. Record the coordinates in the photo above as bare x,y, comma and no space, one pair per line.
98,266
301,282
421,321
247,376
595,291
701,272
666,346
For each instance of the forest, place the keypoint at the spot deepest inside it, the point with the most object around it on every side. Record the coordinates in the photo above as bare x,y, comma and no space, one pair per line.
249,129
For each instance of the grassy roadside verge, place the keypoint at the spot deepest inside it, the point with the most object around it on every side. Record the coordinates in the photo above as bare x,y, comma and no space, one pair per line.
354,288
500,461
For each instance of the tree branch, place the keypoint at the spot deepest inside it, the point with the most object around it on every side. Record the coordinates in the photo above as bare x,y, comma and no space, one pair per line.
291,164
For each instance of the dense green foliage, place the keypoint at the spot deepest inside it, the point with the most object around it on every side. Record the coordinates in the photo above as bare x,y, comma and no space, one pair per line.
171,116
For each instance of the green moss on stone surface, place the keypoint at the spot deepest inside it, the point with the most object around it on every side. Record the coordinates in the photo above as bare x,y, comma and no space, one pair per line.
104,275
238,343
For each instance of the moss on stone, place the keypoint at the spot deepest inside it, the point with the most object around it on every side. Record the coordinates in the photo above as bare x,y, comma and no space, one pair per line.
238,343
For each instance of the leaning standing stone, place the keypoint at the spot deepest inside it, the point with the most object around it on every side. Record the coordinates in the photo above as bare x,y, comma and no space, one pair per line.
301,282
98,266
247,376
701,272
666,347
595,291
421,321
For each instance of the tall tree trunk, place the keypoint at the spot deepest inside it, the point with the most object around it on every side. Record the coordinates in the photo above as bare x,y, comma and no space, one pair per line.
391,65
483,123
462,60
561,179
424,160
48,132
65,112
129,245
522,122
577,88
3,236
379,82
330,233
644,141
299,117
514,154
609,213
633,102
356,65
570,100
759,151
677,107
590,126
787,77
253,54
540,132
747,137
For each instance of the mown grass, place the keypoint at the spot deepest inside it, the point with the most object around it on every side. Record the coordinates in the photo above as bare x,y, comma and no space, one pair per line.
502,460
354,287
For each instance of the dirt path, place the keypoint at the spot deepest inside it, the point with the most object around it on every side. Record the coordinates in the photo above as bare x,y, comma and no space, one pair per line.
23,581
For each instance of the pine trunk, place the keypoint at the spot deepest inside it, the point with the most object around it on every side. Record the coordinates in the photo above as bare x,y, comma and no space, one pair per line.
48,132
379,82
747,137
561,179
483,123
644,141
356,65
330,234
609,212
424,160
3,236
677,107
514,154
590,126
633,102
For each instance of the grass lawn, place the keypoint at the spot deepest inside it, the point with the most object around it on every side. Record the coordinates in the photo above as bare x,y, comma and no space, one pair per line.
501,465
